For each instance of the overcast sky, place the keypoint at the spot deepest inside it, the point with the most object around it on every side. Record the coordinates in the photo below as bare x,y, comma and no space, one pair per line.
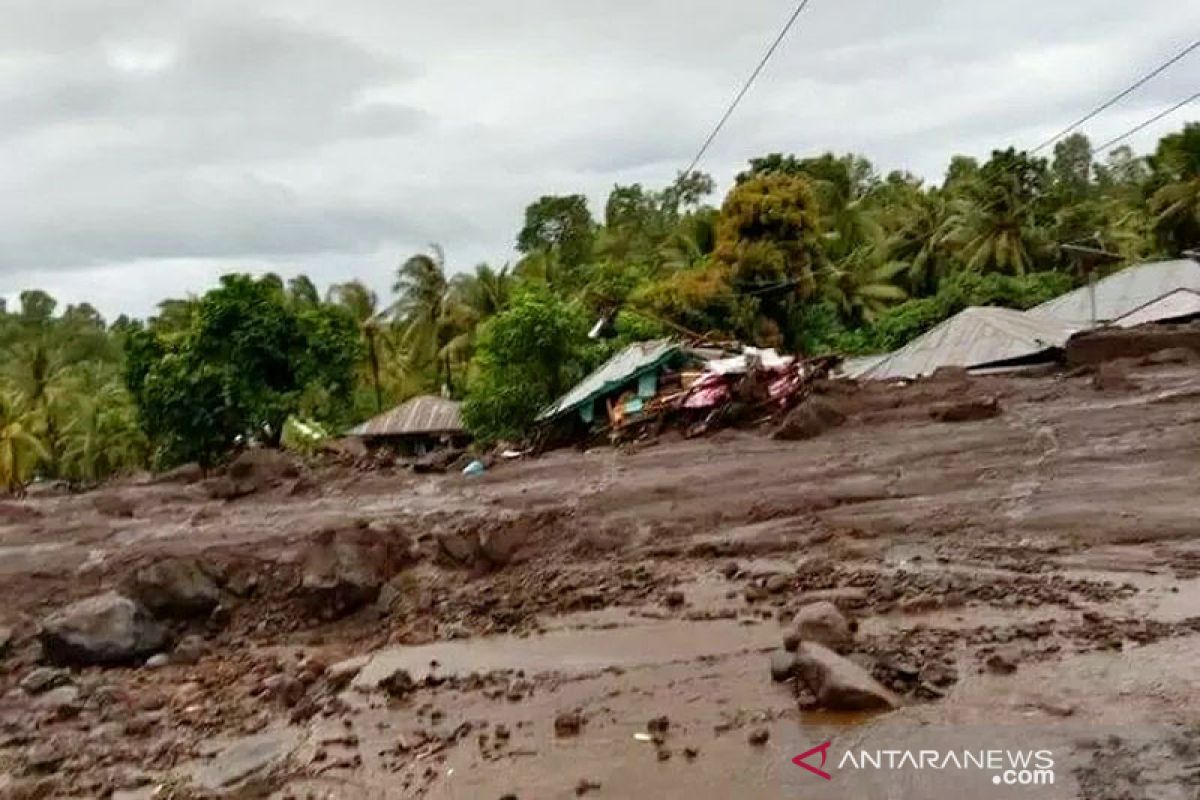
148,147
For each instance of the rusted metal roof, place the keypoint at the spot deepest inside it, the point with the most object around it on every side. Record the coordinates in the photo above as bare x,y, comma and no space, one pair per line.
976,337
426,414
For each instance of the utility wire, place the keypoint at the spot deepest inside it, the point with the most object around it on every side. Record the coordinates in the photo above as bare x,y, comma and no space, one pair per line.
1115,98
1147,123
749,82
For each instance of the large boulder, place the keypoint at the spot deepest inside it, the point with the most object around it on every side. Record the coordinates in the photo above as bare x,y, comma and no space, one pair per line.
811,418
344,568
174,587
103,629
823,623
839,684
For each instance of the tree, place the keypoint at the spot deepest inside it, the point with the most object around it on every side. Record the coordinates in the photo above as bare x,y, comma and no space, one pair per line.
561,224
994,224
1176,204
429,322
526,357
768,242
249,360
1071,169
20,448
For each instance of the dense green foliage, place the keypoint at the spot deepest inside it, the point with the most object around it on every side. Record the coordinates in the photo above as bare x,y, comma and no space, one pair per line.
817,254
251,356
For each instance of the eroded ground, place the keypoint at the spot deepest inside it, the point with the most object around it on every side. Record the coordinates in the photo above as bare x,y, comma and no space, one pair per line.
607,588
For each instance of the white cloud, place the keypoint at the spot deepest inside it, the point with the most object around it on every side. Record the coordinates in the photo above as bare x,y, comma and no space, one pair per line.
151,146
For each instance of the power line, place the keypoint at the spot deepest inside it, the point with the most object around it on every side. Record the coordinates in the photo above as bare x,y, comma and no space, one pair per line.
1115,98
1148,122
746,87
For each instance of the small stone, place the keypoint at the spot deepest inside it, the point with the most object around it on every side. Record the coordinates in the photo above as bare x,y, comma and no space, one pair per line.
1001,664
659,724
664,754
398,684
783,665
43,679
791,641
674,599
691,753
569,723
584,786
6,638
759,736
157,661
777,583
731,570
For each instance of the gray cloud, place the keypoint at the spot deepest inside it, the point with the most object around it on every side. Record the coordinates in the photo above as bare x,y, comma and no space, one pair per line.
149,146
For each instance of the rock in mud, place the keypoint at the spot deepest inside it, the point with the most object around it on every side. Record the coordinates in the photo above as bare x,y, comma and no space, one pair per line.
397,685
759,736
585,785
1111,376
460,546
437,462
185,474
568,723
1001,663
1170,355
344,569
253,755
966,410
6,640
43,679
103,629
174,587
783,665
113,505
838,683
190,650
253,471
811,418
824,624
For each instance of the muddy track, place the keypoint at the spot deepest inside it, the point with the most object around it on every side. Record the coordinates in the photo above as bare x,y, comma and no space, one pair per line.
1058,538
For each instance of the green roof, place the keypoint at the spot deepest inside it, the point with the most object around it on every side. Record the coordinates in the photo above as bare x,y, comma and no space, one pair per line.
622,368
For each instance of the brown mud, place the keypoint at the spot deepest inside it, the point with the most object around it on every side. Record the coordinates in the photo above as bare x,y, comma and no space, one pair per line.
1027,579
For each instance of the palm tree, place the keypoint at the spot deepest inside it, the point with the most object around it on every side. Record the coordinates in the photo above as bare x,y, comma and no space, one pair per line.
426,314
20,448
690,243
362,303
101,435
995,236
1177,203
863,284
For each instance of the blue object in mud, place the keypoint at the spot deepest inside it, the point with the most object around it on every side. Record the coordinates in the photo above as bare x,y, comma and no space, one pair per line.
476,467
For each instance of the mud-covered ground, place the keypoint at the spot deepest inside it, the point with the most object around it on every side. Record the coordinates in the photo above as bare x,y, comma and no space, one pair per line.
1027,581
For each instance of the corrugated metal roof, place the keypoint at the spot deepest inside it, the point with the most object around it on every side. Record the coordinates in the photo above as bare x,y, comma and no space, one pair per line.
1121,293
425,414
622,368
858,365
976,337
1179,303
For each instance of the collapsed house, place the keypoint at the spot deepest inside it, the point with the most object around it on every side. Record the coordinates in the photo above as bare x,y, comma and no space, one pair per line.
988,338
650,385
415,427
1159,291
980,337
